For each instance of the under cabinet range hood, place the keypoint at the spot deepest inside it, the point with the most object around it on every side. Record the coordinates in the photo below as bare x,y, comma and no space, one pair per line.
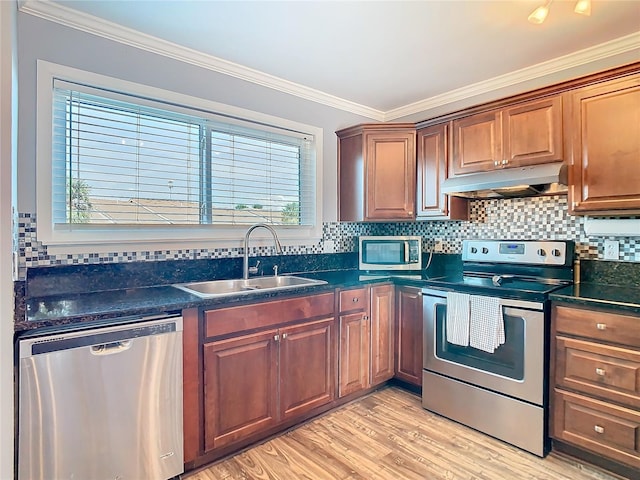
544,179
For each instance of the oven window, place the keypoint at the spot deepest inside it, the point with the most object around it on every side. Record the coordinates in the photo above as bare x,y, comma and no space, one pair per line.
507,360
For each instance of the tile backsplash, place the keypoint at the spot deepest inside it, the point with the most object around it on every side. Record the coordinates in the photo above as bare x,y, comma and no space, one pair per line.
519,218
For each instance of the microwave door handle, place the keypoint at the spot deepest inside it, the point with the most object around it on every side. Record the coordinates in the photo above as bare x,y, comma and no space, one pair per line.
406,252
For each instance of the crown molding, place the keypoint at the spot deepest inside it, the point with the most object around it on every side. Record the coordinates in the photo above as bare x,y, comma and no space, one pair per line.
81,21
612,48
87,23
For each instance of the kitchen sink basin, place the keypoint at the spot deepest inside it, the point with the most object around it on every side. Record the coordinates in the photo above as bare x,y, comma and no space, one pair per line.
217,288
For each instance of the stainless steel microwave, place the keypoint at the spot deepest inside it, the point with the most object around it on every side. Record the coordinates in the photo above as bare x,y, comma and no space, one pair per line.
390,253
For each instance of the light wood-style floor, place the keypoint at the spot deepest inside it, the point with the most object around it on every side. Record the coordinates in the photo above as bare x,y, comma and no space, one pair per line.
389,436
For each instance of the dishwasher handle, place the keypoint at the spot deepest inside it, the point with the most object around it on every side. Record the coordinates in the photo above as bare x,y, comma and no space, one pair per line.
104,340
110,348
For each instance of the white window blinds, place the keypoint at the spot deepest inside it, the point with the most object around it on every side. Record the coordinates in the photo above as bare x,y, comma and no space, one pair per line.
125,160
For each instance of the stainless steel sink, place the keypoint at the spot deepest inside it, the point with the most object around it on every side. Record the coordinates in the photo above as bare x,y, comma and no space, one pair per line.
217,288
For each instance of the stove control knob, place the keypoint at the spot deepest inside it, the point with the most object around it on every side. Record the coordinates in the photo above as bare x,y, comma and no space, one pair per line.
542,253
485,250
474,250
555,252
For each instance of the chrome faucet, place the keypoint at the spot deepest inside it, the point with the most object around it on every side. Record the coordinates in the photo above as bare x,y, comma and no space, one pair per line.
276,242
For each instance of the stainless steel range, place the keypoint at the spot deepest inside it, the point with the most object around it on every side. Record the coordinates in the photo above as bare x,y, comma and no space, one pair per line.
486,345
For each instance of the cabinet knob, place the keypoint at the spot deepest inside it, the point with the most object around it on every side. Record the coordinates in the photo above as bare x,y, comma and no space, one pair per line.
600,371
601,326
284,335
496,163
598,429
505,161
355,300
276,337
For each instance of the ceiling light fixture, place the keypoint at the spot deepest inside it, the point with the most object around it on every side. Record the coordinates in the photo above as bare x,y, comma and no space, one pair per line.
583,7
540,13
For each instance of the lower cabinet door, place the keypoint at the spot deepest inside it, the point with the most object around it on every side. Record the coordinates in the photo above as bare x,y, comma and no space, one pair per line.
382,333
409,335
240,391
354,353
307,375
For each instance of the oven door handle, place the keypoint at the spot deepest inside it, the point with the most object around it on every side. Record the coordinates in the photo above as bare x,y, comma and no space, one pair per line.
504,302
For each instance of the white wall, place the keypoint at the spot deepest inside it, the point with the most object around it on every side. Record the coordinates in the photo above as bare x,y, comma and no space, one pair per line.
41,39
7,149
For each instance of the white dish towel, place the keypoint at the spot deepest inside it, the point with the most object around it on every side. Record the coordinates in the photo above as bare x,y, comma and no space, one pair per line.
458,318
486,325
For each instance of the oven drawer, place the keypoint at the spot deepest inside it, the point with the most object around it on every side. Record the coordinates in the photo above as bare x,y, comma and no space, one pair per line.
602,326
600,427
608,372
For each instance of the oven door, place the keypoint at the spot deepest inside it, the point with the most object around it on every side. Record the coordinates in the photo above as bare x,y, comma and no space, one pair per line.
516,368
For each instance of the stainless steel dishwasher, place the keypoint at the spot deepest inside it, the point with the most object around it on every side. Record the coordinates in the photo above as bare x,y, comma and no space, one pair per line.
103,403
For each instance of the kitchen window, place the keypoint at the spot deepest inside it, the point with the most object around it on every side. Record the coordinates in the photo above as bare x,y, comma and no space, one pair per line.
125,162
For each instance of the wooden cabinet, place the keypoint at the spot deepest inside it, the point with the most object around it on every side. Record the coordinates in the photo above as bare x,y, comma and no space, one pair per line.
596,373
366,337
409,337
240,387
306,367
604,143
432,165
377,172
263,365
382,333
354,349
515,136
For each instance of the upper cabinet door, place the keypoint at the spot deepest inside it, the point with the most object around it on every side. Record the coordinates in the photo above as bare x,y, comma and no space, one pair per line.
391,175
377,172
605,147
477,143
432,158
532,133
526,134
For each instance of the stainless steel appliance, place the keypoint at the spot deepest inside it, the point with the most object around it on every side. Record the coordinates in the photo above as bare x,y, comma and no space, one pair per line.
503,393
103,403
390,253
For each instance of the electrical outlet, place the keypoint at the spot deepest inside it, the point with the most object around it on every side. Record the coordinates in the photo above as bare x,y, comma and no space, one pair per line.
328,246
611,250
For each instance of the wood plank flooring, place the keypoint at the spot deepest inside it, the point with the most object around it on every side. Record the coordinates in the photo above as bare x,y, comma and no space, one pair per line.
389,436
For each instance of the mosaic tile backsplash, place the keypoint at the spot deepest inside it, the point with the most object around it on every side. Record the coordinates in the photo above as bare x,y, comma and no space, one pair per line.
520,218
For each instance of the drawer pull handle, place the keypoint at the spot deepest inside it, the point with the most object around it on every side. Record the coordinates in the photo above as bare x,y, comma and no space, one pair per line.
600,371
356,299
284,335
276,338
598,429
601,326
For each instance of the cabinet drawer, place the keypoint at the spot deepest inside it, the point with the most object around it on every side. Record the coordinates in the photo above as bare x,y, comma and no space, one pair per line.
605,371
265,314
603,326
354,299
600,427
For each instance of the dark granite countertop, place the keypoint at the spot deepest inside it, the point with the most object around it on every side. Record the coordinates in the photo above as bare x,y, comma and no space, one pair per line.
601,295
98,307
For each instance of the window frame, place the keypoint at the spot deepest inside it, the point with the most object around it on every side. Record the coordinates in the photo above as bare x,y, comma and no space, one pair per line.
73,237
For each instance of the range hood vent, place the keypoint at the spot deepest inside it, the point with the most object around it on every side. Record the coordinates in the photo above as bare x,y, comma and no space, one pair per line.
545,179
